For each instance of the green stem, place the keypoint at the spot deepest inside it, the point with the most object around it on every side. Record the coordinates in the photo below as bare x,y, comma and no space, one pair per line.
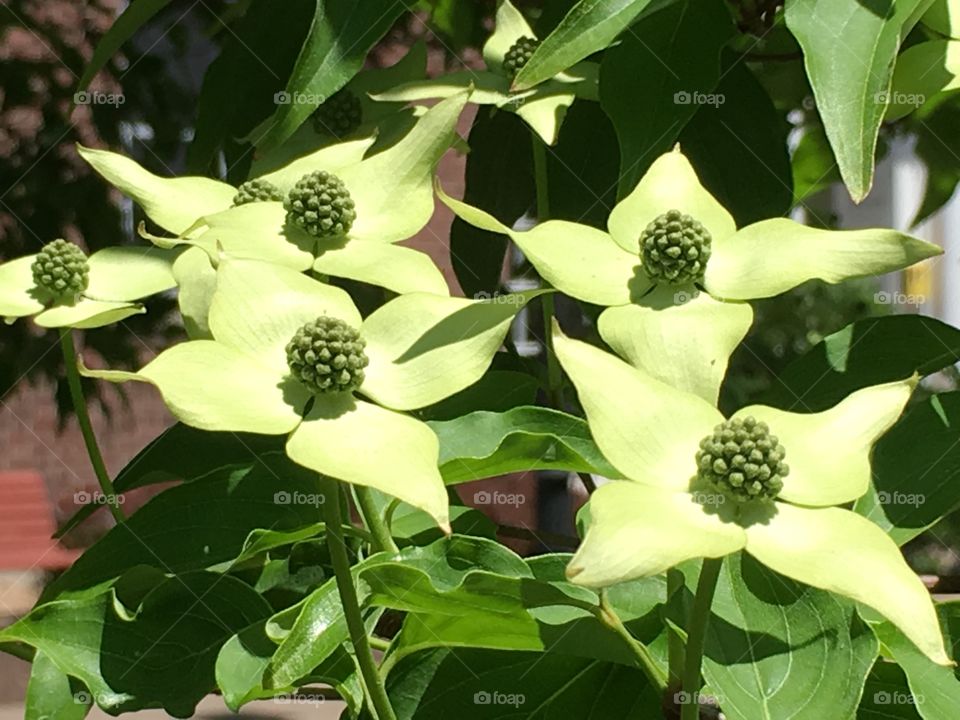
675,587
608,616
376,691
697,635
554,377
376,524
86,429
378,643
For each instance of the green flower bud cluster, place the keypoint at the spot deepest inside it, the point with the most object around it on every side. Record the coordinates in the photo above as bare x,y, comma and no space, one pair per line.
257,190
675,248
339,116
327,356
519,55
321,204
61,269
743,460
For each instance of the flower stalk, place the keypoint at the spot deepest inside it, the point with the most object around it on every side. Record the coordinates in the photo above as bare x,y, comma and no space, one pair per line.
86,428
697,635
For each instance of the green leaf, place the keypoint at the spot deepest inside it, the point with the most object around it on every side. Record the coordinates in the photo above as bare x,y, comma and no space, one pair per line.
653,80
778,649
122,274
867,352
944,17
591,25
915,468
485,444
496,391
174,204
200,524
771,256
136,15
814,168
261,48
423,348
197,281
51,695
739,147
142,660
341,35
410,526
475,684
862,39
395,267
499,178
886,695
923,71
936,147
16,289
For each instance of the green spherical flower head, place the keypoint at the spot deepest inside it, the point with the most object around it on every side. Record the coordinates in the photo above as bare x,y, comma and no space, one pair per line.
675,248
257,190
61,269
321,204
743,460
339,116
327,356
519,55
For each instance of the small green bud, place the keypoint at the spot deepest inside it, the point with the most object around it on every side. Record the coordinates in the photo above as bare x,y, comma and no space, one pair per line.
320,204
339,116
675,248
61,269
327,356
743,460
257,190
519,55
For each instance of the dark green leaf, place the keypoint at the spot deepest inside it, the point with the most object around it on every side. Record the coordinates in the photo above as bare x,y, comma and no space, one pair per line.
341,35
867,352
201,524
778,649
938,146
591,25
51,695
849,49
916,470
135,16
739,148
658,75
814,168
496,391
485,444
471,684
259,53
499,179
886,695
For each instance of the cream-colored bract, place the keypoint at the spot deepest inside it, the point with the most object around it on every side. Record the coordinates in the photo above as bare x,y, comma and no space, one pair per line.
662,514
